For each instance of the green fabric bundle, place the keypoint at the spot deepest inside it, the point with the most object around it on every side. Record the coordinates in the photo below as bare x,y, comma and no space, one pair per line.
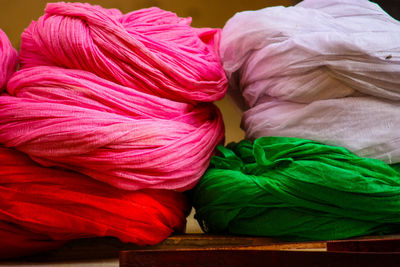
297,189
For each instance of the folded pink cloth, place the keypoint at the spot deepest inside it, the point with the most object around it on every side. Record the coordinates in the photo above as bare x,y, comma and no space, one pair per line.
150,50
8,60
113,133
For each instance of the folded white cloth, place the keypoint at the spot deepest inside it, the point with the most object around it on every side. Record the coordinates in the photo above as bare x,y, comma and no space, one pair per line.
323,70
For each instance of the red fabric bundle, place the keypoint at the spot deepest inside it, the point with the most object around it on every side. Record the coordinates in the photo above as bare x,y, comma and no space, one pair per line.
17,241
42,207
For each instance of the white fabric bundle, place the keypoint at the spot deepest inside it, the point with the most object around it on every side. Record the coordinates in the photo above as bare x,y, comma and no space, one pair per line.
322,70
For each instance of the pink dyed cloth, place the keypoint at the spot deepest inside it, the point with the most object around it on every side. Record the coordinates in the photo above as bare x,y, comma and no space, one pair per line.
113,133
8,60
150,50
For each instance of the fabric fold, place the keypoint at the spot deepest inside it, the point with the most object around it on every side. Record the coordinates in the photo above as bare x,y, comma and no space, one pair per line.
113,133
8,60
322,70
151,50
297,189
45,207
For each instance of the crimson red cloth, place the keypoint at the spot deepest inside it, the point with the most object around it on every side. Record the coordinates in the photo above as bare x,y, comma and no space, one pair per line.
42,207
17,241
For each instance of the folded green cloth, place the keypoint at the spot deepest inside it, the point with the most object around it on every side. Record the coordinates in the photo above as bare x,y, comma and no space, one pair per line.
297,189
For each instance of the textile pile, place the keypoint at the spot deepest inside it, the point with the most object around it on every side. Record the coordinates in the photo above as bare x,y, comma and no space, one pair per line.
107,121
319,86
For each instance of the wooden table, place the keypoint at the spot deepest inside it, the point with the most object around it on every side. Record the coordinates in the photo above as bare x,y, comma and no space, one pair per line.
216,250
210,251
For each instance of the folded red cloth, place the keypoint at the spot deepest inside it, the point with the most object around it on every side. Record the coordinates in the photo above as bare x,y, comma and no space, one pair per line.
42,207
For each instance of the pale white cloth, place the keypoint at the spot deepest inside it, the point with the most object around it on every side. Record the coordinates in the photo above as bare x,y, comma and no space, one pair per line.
322,70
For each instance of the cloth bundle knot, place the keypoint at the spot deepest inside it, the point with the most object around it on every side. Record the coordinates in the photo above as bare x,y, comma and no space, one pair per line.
42,208
318,192
108,95
322,70
149,50
113,133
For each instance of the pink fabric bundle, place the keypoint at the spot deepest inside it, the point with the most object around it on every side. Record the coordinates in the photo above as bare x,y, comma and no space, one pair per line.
132,140
150,50
41,208
8,60
115,96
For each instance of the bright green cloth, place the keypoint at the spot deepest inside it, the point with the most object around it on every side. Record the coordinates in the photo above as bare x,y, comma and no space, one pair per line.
297,189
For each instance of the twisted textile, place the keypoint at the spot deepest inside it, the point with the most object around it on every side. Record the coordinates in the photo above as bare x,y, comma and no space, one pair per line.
322,70
297,189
